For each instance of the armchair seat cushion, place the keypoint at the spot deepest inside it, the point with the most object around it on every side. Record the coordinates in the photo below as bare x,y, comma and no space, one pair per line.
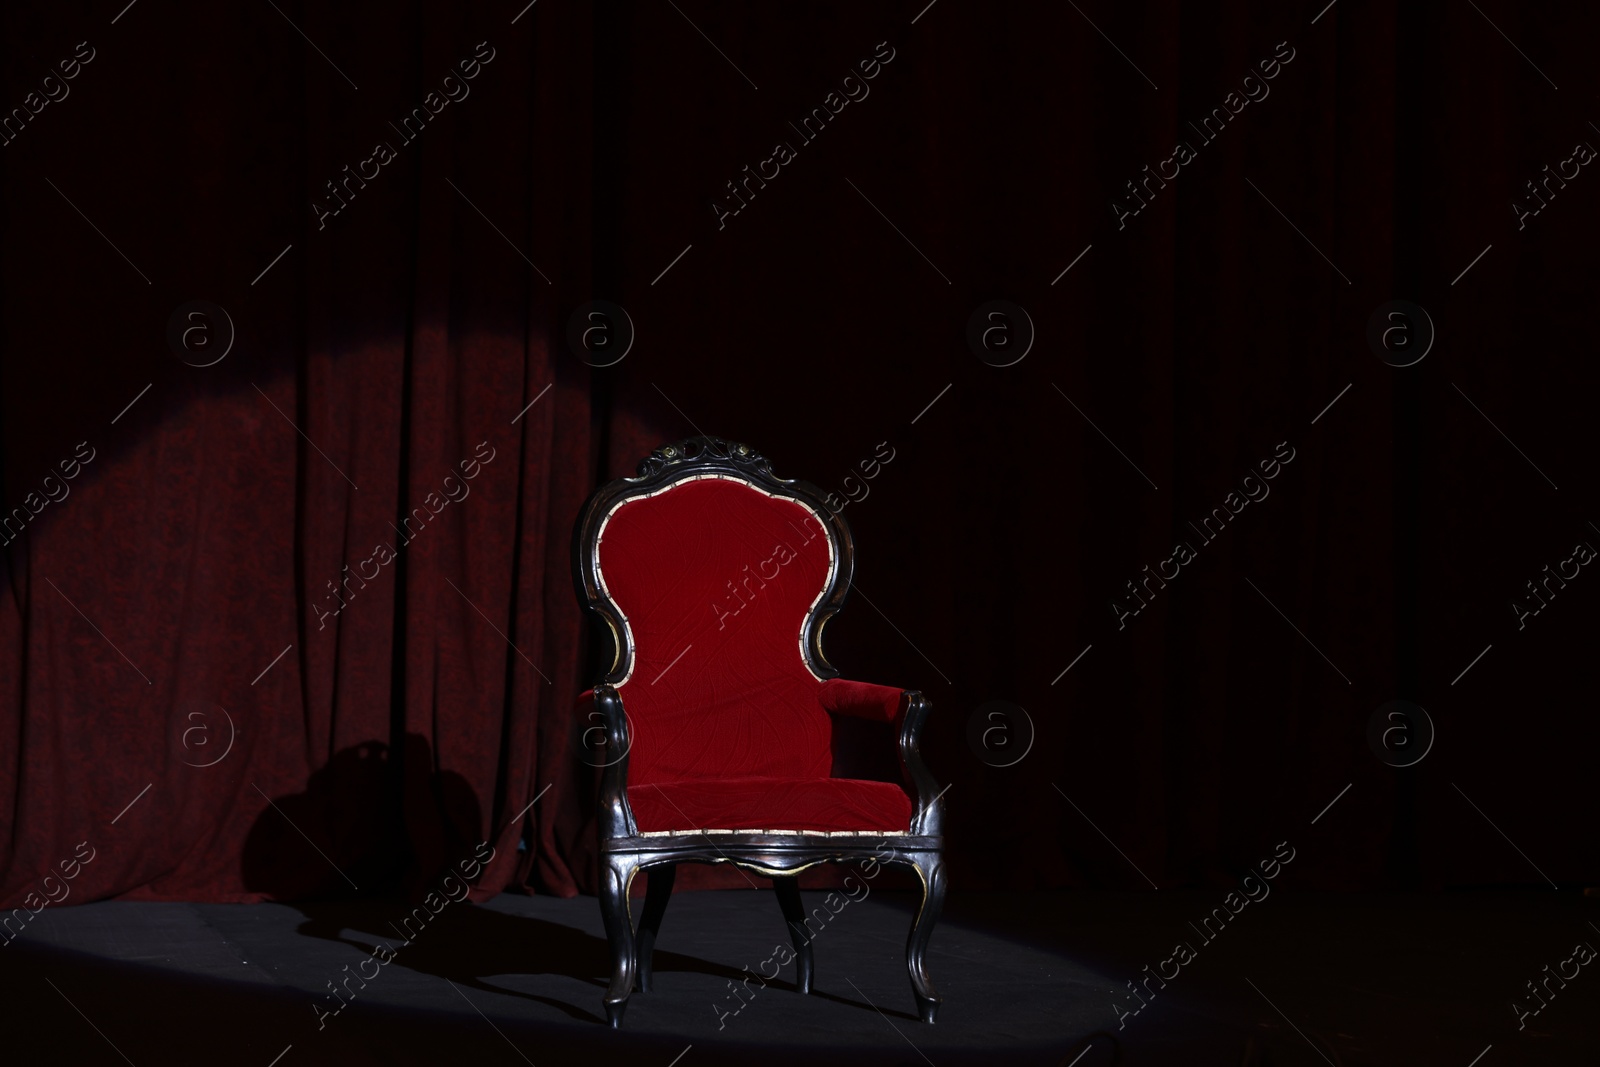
810,805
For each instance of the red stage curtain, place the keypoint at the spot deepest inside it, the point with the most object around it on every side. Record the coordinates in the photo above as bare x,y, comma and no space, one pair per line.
362,432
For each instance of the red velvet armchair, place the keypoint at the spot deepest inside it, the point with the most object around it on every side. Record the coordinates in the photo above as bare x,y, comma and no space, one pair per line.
713,580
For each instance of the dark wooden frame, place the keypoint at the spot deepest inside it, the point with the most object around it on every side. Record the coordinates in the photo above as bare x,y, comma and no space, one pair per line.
624,852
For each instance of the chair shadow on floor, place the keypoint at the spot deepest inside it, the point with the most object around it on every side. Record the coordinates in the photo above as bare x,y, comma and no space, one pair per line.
309,850
465,942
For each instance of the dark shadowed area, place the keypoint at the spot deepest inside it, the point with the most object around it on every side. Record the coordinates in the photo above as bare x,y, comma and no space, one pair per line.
1285,418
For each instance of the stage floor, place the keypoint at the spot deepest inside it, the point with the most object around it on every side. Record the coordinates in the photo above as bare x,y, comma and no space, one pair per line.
1028,978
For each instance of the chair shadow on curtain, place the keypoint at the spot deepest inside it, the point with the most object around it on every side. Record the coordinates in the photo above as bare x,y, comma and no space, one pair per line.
368,823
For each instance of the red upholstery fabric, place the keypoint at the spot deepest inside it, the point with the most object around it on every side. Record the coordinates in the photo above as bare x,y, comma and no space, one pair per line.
815,804
861,699
715,579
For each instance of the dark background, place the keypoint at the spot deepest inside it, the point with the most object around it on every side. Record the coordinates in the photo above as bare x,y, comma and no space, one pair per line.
820,321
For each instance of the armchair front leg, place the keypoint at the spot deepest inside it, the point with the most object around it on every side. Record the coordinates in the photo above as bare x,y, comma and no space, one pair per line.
616,878
930,869
617,869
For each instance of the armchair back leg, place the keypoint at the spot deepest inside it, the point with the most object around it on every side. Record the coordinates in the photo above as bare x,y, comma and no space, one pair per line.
658,892
794,913
615,880
930,869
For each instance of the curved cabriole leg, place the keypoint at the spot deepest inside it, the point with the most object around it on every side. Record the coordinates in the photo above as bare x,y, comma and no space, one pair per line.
794,913
930,867
615,880
657,893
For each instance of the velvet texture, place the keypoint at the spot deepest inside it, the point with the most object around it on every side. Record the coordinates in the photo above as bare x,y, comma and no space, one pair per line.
714,578
862,699
813,804
729,727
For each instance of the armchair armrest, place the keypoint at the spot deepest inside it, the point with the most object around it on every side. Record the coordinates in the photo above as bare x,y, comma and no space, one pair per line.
606,715
861,700
907,709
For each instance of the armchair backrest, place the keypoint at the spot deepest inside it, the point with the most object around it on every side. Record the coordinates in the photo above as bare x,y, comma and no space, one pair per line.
715,579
